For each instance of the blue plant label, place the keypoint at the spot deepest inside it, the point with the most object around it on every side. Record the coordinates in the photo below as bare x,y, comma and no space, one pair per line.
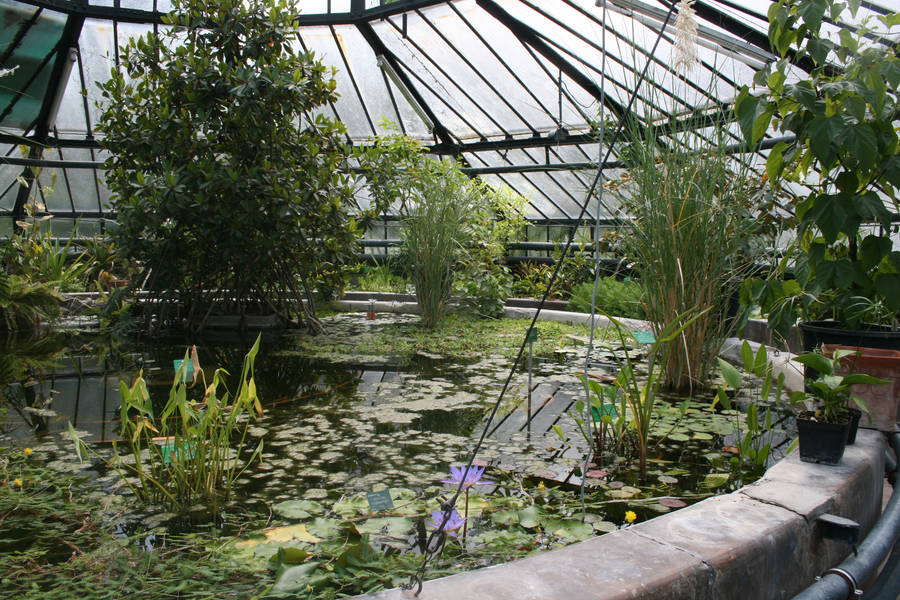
188,369
532,335
380,500
608,410
643,337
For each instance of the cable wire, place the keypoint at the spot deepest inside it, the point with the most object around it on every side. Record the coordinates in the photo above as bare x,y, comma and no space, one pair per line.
436,540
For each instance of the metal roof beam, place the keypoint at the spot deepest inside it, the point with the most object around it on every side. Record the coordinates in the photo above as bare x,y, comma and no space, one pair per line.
380,49
59,77
109,13
531,37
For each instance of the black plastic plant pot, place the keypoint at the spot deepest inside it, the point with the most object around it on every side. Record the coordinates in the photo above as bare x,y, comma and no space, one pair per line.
855,415
822,442
817,333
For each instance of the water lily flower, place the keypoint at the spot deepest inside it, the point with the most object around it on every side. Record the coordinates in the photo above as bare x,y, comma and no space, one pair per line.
454,522
468,478
28,452
630,516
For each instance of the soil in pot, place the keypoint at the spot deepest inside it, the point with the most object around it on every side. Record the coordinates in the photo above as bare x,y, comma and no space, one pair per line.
820,441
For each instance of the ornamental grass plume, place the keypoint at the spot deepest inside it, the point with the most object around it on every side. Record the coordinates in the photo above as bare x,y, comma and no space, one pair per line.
685,34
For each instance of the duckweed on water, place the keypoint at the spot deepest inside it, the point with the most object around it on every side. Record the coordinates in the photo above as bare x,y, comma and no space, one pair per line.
399,338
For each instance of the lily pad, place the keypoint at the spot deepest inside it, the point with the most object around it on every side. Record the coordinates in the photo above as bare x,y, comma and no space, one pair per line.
529,517
715,480
390,526
290,533
605,526
298,509
625,492
672,502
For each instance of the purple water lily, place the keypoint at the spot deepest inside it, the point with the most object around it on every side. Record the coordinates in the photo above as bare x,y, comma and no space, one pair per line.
469,477
454,522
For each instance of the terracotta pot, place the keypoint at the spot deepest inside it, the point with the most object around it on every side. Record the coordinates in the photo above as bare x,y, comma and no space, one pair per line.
882,400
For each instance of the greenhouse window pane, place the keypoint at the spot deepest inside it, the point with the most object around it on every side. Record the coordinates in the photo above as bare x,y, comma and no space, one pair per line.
31,47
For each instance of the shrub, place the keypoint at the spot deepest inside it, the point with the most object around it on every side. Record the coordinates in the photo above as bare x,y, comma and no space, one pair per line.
224,174
614,297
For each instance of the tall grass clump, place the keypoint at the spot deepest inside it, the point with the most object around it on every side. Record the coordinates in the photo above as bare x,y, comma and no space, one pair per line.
686,231
436,232
192,450
453,228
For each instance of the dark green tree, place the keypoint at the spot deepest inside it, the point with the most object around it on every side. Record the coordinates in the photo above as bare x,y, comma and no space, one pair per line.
230,189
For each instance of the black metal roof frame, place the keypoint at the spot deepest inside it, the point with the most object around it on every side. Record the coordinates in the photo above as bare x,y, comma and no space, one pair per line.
484,152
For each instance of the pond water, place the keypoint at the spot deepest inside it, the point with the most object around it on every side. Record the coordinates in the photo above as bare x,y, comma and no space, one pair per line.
356,424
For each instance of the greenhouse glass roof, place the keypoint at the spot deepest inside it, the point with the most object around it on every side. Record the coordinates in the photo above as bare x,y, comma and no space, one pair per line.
518,90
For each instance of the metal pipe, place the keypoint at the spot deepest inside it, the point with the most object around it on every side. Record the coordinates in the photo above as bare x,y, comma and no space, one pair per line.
888,582
844,580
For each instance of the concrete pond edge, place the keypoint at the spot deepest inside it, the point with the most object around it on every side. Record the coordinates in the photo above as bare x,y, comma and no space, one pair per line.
762,541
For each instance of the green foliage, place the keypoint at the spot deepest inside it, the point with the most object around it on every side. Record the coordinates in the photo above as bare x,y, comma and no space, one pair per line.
755,435
380,278
533,278
614,297
686,210
225,175
830,392
56,543
450,224
187,453
641,396
846,150
25,305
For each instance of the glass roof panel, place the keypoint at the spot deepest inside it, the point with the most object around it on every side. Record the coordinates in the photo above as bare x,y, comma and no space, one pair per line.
28,37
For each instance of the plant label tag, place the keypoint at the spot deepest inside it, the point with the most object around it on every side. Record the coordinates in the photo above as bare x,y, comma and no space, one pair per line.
532,335
643,337
188,369
608,410
380,500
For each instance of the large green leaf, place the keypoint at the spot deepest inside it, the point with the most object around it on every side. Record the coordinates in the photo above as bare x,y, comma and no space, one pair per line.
731,375
817,361
823,133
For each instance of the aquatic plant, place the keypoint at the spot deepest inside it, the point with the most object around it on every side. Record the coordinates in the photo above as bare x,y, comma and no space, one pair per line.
641,396
756,435
187,453
449,525
466,477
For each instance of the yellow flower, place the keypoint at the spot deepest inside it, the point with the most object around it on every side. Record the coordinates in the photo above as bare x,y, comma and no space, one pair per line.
541,485
28,452
17,482
630,516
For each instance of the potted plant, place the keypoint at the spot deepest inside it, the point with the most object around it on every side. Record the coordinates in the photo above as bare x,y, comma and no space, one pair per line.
843,148
823,427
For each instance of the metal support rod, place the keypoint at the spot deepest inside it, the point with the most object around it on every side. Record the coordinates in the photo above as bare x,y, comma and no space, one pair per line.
530,353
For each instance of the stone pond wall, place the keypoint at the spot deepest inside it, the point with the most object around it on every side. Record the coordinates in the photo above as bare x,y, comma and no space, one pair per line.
760,542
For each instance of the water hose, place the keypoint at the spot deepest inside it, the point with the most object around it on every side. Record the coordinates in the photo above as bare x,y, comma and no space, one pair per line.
844,581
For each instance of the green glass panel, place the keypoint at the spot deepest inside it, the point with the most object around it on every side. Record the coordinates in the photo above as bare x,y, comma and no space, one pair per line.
32,72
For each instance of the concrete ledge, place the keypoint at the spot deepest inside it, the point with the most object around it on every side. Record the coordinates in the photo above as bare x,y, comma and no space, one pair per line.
760,542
